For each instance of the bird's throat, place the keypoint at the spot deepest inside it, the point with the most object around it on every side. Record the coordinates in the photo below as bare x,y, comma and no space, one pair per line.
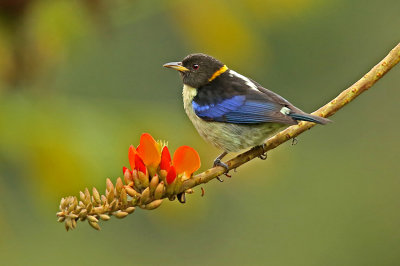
188,94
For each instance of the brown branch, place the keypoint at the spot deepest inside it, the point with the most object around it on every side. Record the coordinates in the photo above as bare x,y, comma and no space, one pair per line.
348,95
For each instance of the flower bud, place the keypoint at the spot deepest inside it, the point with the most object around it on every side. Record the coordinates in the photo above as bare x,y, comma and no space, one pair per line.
95,225
170,188
63,204
163,175
89,207
120,214
144,179
136,180
145,196
87,194
153,183
73,223
109,185
131,192
113,205
159,191
104,217
92,218
123,197
127,176
130,210
178,184
82,196
118,186
153,205
103,199
96,196
110,195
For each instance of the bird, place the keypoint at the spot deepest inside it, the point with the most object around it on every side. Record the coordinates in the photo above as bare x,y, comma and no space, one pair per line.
230,110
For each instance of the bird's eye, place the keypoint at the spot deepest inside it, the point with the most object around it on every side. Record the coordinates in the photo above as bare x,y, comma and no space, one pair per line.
195,66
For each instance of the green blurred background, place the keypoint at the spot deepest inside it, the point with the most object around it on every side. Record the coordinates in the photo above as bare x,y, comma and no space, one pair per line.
81,80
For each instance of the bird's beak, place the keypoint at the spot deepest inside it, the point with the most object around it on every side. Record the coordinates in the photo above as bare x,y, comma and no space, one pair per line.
177,66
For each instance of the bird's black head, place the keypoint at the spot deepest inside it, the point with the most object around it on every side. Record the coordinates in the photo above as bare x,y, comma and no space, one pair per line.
197,69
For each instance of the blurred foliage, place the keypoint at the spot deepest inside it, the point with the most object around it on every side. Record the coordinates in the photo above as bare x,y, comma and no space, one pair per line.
81,80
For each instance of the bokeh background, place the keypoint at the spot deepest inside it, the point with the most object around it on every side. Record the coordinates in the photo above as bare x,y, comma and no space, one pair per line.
81,80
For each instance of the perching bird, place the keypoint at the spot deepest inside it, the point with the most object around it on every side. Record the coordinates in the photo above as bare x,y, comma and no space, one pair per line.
229,110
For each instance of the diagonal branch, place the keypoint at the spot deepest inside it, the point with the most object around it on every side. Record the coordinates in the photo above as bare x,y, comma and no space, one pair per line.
348,95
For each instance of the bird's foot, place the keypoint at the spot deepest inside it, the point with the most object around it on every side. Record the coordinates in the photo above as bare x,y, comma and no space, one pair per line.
264,155
217,162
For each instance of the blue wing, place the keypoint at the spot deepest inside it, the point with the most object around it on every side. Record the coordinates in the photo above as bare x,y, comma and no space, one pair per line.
240,110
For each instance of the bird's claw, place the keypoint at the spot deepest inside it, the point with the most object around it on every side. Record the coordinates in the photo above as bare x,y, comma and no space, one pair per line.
264,155
218,162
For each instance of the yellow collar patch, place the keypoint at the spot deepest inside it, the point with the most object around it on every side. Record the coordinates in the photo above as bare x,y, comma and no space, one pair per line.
218,72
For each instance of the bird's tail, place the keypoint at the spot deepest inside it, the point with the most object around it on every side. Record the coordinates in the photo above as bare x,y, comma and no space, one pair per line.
310,118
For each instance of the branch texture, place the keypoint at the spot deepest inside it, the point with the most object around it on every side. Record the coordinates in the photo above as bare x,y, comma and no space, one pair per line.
348,95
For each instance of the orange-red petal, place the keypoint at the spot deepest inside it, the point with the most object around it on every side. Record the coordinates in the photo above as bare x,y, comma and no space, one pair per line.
131,156
124,169
186,160
149,150
171,175
139,164
165,159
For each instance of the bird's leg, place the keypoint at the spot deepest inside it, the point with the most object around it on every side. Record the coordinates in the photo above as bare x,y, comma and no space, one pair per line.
217,162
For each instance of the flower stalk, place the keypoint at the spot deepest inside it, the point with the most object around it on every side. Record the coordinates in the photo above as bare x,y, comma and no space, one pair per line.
152,178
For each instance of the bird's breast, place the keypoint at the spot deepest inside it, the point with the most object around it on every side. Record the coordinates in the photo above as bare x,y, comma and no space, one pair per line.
188,94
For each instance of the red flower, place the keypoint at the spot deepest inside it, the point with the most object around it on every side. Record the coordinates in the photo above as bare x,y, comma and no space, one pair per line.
124,169
171,176
186,160
148,157
149,151
131,156
165,159
139,164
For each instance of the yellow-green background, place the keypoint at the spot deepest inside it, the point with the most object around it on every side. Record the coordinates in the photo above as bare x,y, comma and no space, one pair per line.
81,80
